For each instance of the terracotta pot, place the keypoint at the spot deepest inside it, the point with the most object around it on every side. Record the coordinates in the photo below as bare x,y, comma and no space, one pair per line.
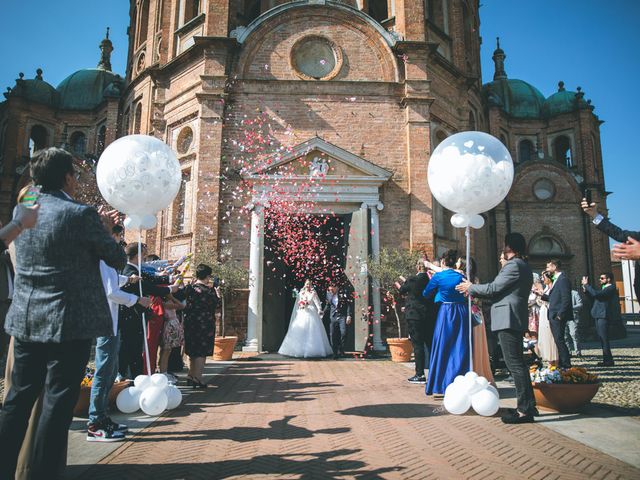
400,348
82,405
564,397
223,348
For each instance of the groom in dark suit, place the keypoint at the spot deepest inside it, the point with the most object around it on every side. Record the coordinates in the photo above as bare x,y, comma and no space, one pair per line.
560,310
59,306
339,304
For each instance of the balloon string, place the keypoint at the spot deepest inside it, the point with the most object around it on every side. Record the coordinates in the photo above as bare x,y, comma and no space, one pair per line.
467,234
144,319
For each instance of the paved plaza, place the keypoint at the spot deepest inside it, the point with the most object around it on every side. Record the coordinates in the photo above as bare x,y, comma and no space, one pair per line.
269,417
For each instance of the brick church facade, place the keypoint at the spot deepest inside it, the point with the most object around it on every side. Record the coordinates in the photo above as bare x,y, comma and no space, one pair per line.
369,87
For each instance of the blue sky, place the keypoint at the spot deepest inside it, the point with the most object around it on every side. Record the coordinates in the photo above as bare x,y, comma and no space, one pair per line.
588,43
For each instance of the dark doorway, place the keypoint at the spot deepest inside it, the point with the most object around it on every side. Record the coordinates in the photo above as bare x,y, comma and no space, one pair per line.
297,247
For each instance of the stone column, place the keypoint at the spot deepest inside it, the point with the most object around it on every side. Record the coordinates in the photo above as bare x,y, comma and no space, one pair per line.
254,320
375,252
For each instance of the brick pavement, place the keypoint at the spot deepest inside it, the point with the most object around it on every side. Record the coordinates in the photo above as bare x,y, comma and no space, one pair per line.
345,419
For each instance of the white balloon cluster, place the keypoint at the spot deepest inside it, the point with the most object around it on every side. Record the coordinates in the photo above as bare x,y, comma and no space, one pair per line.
470,173
152,394
139,175
471,390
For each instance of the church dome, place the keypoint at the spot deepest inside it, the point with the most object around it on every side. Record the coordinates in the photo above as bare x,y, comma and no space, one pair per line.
516,97
562,101
85,89
35,90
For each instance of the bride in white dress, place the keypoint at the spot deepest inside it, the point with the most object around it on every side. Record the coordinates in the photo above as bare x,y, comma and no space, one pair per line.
306,336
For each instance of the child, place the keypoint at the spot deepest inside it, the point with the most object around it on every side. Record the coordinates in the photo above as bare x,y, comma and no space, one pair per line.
172,333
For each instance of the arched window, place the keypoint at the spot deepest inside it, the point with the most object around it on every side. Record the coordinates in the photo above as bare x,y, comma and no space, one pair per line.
37,139
137,119
562,150
102,139
545,245
159,15
78,143
378,9
438,13
143,27
525,151
191,9
182,205
472,120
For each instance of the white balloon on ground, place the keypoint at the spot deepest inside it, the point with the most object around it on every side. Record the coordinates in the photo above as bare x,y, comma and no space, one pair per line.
139,175
456,400
142,382
458,380
482,383
128,400
470,172
493,390
485,403
471,374
153,401
174,397
159,380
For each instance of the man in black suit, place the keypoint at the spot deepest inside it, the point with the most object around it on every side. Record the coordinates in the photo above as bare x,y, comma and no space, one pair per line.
604,225
130,318
339,304
560,310
603,309
59,306
416,313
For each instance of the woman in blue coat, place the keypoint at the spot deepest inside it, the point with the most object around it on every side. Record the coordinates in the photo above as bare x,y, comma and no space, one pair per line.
450,349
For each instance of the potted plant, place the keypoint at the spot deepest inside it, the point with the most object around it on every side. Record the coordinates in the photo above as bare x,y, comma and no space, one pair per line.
386,270
82,405
233,276
565,391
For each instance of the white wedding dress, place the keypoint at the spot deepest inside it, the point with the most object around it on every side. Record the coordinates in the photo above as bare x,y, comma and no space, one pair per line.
306,336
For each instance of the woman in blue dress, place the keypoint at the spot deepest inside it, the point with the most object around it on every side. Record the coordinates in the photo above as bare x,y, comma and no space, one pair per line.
450,349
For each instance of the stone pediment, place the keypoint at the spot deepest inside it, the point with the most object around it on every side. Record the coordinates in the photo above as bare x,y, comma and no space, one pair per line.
321,159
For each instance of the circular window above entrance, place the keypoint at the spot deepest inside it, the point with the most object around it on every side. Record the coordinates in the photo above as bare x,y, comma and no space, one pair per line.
544,189
316,58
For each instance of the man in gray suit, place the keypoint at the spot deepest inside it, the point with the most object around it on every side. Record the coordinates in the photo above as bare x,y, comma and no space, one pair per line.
509,292
59,306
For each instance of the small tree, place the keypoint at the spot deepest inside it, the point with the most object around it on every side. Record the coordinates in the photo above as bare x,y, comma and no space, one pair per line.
232,274
386,270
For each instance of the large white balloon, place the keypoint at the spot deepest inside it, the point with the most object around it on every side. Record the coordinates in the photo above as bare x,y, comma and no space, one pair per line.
174,396
485,403
128,400
470,173
456,400
153,401
139,175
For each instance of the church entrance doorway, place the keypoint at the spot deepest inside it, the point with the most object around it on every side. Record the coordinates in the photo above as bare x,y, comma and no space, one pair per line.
296,248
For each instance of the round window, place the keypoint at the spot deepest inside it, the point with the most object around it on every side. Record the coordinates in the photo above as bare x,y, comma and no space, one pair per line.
316,58
185,139
543,189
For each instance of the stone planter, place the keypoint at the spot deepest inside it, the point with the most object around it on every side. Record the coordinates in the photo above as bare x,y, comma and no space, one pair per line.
564,397
223,348
400,348
82,405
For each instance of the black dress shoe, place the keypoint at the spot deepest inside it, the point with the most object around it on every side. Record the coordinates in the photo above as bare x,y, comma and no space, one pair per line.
610,363
517,418
417,379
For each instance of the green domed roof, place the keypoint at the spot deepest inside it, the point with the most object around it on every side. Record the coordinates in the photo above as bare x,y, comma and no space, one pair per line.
516,97
560,102
84,89
35,90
